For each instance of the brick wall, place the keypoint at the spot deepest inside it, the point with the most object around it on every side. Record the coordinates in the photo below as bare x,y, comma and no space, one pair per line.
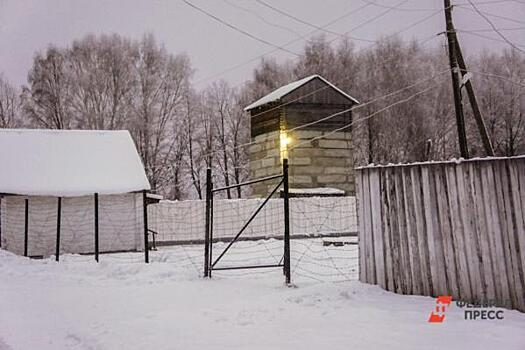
325,162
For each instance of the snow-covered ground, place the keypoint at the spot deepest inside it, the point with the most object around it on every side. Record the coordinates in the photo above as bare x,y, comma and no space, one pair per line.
122,303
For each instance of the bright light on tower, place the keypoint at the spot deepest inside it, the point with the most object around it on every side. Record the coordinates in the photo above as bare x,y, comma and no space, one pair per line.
285,140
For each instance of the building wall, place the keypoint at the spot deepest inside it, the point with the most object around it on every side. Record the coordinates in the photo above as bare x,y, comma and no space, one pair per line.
265,160
120,224
327,162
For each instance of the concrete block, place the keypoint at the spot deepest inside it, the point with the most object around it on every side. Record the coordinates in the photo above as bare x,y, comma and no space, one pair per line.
334,144
268,162
337,170
327,179
308,170
300,179
300,160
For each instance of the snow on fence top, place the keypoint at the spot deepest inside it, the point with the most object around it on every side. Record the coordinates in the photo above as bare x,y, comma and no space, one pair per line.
286,89
69,163
435,162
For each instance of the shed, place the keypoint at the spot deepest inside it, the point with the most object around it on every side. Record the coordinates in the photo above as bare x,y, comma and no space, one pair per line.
307,121
70,191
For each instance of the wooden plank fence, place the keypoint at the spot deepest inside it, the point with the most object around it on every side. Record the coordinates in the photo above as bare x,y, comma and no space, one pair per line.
445,228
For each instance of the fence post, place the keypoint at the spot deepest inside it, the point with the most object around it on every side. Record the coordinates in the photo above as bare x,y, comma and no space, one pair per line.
207,228
286,223
145,211
96,227
26,225
59,218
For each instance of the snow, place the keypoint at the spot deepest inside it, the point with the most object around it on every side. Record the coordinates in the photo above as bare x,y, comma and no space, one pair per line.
122,303
434,162
286,89
69,163
317,191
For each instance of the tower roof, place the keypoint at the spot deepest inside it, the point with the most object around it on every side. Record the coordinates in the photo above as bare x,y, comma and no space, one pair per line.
286,89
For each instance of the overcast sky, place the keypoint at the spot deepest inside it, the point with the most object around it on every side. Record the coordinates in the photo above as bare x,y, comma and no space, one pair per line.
28,26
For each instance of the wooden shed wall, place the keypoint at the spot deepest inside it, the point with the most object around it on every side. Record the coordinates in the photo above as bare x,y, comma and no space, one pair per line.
445,229
312,101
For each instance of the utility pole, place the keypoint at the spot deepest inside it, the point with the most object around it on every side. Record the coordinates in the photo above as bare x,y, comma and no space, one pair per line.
460,119
485,139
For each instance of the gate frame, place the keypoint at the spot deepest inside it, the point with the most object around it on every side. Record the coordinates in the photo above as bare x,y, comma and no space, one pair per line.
209,264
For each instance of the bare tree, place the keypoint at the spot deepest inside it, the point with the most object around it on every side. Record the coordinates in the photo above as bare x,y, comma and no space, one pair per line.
47,99
9,105
102,81
162,82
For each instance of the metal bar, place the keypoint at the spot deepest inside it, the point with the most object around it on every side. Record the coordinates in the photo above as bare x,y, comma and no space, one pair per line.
26,225
59,219
207,226
96,227
248,222
247,267
145,213
262,179
210,266
286,205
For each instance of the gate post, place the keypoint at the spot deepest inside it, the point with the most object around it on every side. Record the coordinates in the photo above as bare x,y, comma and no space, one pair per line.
96,227
145,214
286,222
26,225
207,227
59,221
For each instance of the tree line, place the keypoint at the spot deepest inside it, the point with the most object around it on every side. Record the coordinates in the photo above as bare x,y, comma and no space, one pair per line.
110,82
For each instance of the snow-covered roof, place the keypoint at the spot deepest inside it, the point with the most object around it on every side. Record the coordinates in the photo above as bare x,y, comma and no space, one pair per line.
69,163
286,89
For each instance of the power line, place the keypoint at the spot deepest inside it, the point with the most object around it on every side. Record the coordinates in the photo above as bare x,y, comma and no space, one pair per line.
491,14
242,31
492,75
328,24
285,45
491,30
494,27
486,37
414,9
366,117
254,13
295,18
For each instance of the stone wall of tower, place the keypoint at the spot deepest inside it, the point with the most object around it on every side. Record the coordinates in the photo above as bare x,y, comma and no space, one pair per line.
326,162
265,161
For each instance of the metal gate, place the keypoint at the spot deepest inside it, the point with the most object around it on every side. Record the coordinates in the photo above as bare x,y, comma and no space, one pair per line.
209,263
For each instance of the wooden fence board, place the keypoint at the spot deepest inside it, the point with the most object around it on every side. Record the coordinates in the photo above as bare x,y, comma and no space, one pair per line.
446,229
369,251
465,200
513,212
420,231
394,231
434,240
497,234
362,236
387,231
406,275
449,228
378,243
413,250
